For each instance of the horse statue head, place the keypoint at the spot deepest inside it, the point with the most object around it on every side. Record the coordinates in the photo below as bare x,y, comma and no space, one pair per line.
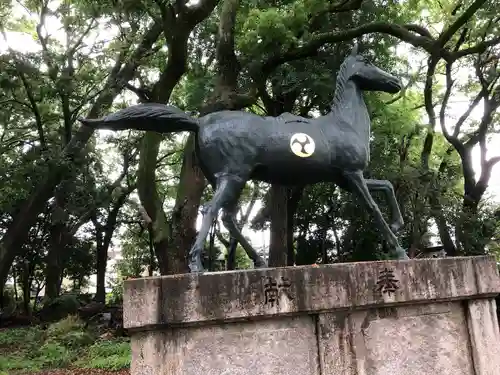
367,76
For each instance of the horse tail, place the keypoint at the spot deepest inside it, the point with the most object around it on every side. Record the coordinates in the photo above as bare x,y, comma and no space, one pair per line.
155,117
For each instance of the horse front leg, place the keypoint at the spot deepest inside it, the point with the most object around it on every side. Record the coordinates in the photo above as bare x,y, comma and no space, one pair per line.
358,184
386,187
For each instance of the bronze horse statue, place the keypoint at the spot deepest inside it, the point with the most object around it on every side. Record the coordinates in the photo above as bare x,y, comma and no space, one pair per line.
236,146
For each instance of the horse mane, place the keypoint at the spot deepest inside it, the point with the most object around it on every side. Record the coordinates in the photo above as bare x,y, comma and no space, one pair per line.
342,78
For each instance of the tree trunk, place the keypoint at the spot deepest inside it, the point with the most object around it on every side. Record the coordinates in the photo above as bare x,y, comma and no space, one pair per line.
26,285
18,230
185,213
101,262
150,199
444,232
169,262
469,229
278,248
53,269
100,293
102,251
418,225
58,241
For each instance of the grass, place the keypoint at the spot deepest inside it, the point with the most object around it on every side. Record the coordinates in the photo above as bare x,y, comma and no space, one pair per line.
110,355
63,344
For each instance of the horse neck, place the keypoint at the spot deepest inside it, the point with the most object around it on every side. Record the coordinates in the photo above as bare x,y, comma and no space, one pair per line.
349,111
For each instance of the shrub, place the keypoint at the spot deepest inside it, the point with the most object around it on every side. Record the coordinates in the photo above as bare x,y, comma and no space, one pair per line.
60,307
110,355
64,326
69,332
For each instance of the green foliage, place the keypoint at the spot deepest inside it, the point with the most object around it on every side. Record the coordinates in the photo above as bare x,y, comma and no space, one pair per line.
111,355
10,338
135,255
31,349
267,29
65,326
242,261
62,344
61,307
116,295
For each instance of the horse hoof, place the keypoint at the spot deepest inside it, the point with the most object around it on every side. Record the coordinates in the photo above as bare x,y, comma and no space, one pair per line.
401,254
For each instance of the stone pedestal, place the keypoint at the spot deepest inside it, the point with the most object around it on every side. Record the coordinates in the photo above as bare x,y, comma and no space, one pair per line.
417,317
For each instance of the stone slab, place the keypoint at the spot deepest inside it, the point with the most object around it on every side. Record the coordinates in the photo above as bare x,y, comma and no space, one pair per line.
278,347
181,300
405,340
484,336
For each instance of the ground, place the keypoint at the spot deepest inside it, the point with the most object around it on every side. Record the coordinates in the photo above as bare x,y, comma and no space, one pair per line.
66,347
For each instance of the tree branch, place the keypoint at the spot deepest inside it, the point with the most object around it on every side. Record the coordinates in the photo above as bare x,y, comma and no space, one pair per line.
197,13
466,115
415,35
310,48
419,30
482,183
461,39
431,113
71,51
109,191
142,93
34,108
442,112
52,70
227,62
341,7
447,34
478,48
493,161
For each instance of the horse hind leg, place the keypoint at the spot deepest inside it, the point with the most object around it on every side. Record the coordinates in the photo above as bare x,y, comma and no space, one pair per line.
386,187
358,185
227,189
229,221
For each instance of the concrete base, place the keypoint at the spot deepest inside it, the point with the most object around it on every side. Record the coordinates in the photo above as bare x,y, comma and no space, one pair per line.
417,317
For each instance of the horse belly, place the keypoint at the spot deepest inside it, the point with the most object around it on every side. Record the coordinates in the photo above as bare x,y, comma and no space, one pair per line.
349,156
296,172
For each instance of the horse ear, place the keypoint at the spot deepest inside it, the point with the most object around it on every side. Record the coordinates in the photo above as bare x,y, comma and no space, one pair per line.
354,50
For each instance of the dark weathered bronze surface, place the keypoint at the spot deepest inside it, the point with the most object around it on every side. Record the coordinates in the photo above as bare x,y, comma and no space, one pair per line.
236,146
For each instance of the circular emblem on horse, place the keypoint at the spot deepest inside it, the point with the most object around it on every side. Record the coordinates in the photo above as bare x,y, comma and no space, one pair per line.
302,145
